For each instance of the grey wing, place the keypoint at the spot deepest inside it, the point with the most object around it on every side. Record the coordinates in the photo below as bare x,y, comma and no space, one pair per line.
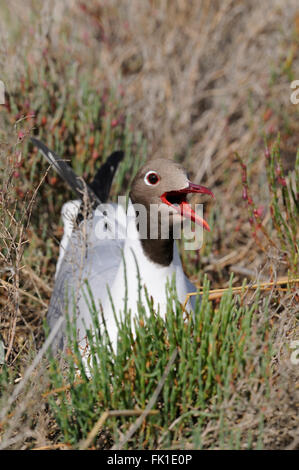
183,279
58,303
86,259
191,288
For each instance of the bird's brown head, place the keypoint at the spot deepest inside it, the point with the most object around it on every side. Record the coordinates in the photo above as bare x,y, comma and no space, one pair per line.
165,183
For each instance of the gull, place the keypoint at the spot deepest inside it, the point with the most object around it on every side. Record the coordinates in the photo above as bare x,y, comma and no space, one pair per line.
114,256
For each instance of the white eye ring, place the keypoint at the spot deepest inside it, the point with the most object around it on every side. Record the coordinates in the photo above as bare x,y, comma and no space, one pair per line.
148,174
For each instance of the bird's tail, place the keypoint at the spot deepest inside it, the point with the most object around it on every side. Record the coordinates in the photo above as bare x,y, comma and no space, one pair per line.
102,181
98,190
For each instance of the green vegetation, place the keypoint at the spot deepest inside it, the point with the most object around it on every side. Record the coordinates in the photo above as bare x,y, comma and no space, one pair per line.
214,351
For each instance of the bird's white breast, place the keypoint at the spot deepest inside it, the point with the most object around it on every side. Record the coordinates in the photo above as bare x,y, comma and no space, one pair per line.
131,266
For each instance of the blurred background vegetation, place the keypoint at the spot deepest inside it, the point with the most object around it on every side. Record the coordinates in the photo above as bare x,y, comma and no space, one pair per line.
206,83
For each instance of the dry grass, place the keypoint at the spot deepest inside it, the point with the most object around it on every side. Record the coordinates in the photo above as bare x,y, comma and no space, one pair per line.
201,80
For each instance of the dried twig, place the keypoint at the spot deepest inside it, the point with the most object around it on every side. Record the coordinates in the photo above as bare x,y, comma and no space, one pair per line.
23,292
217,293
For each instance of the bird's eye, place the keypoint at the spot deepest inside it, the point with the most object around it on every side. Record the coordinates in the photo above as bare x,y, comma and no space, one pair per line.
151,178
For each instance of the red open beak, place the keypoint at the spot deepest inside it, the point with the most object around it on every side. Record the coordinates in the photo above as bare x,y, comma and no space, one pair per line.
178,200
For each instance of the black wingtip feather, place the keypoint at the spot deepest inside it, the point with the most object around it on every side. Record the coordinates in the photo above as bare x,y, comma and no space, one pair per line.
102,181
99,188
66,172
